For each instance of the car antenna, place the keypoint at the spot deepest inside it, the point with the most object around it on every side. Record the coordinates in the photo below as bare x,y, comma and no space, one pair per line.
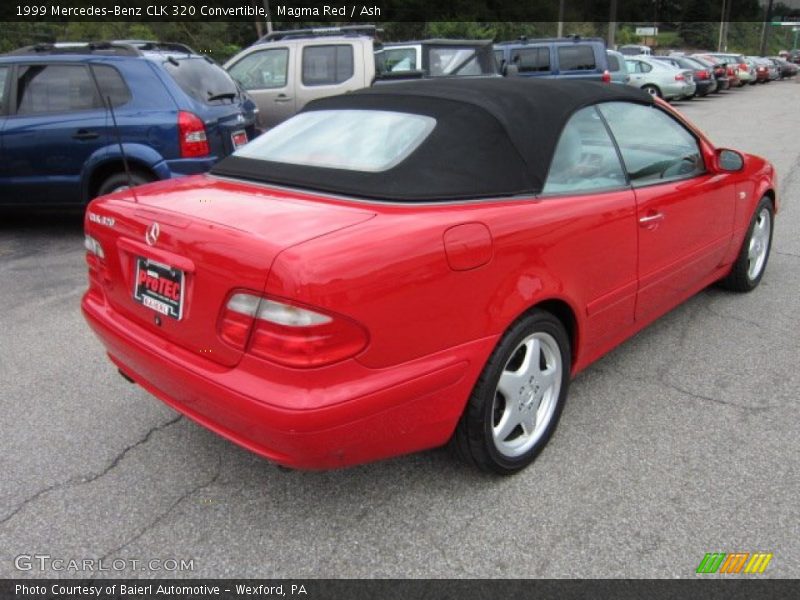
121,149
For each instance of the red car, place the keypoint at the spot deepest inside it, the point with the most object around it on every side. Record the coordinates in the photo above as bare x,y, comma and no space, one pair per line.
419,263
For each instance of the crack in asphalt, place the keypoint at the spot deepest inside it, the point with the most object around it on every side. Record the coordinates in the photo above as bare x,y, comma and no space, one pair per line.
84,479
786,253
735,318
713,399
164,514
660,382
683,339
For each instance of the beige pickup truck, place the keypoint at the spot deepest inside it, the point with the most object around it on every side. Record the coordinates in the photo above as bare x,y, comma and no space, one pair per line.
285,70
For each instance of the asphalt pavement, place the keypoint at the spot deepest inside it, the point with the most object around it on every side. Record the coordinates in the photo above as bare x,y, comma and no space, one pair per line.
682,441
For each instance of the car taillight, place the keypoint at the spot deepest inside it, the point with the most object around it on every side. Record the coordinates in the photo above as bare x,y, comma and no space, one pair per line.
703,75
606,78
192,135
288,334
680,77
93,246
743,67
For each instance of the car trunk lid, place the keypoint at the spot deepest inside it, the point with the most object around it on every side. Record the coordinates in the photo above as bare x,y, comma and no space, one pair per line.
176,251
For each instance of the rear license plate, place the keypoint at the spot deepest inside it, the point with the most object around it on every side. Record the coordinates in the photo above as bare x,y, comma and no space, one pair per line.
159,287
239,139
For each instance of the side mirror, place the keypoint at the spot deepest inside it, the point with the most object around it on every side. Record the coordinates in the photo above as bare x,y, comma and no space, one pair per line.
510,70
729,160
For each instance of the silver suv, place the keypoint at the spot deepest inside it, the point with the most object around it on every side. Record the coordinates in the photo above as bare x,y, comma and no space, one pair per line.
284,71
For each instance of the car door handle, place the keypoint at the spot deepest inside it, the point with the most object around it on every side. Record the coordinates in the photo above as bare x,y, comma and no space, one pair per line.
83,134
283,98
651,220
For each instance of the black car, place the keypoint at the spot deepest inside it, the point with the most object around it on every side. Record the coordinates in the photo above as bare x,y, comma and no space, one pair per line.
703,75
786,68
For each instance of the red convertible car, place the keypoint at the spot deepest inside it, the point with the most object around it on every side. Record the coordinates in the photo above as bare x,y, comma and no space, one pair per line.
411,265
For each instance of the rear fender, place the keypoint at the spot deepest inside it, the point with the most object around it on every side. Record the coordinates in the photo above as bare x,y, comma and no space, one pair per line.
136,154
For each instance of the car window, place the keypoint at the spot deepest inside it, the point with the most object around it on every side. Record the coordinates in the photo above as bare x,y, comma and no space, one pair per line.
357,140
396,60
613,63
55,88
327,65
654,146
446,60
262,70
111,85
3,79
576,58
637,66
531,60
585,159
202,80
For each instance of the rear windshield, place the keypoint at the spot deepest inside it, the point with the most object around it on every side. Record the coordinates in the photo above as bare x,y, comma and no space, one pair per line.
356,140
202,80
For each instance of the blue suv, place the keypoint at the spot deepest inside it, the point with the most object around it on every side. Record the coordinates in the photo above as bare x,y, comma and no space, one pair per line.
571,57
177,113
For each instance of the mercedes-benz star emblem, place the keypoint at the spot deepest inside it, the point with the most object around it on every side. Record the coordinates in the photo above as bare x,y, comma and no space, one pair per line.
151,235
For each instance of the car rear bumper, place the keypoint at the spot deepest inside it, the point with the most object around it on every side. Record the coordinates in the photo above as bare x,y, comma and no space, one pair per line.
324,418
705,86
677,89
190,166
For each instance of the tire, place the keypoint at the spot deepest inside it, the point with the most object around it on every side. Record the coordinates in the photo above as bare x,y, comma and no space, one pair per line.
747,271
119,181
497,435
652,90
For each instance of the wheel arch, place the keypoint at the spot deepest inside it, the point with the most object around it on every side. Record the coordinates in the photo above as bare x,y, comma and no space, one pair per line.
657,88
109,159
566,313
106,169
769,192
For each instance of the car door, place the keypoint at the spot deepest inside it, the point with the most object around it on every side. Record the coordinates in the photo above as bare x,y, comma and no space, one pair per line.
638,72
267,75
56,123
685,213
587,181
328,68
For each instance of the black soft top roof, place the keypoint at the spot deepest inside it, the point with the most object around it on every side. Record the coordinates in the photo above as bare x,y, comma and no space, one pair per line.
493,137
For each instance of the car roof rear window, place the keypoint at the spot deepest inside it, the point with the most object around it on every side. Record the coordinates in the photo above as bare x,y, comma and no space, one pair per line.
355,140
202,80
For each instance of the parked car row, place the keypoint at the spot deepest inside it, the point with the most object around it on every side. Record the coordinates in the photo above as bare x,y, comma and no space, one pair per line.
285,70
682,76
118,114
